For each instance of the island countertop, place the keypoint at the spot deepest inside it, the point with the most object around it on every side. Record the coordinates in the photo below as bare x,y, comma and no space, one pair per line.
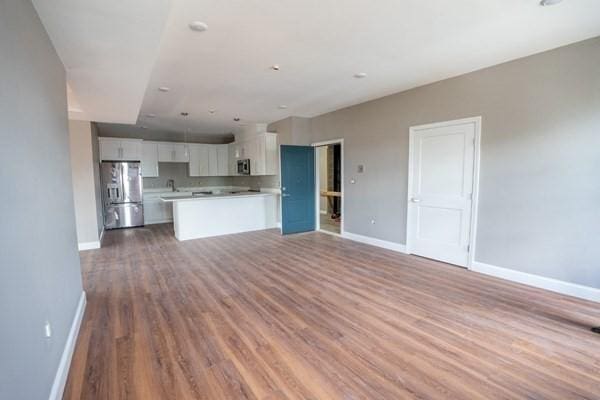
187,197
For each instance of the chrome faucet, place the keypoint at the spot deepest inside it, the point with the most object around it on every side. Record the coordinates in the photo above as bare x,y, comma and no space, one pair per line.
171,184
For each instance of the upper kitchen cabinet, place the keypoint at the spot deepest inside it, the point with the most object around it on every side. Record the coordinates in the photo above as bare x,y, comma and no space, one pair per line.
222,159
173,152
120,149
209,160
263,154
149,159
199,163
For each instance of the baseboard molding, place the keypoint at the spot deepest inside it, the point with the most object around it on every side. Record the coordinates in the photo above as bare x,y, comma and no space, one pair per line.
60,379
279,225
375,242
88,245
542,282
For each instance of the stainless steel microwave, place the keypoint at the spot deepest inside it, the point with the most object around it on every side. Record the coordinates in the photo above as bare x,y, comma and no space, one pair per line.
243,167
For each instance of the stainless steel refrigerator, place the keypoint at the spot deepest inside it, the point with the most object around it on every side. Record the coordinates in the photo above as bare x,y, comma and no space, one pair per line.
122,194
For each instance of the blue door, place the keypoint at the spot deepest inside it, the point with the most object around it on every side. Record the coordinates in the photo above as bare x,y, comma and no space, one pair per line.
297,189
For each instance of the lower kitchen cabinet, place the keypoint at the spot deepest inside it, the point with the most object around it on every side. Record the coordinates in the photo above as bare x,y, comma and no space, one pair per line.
156,211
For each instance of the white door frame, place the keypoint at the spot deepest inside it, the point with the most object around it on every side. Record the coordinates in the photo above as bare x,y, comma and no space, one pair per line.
318,189
476,121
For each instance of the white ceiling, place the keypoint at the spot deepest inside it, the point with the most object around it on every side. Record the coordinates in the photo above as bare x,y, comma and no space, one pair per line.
109,49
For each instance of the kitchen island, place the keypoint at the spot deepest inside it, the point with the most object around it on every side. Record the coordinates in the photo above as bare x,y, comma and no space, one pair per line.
206,215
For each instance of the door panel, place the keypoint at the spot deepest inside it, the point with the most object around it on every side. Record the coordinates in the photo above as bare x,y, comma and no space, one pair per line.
149,160
440,196
131,150
298,189
165,152
132,182
110,149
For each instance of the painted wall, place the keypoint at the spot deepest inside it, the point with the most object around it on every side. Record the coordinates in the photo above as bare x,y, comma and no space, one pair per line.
83,173
40,278
540,156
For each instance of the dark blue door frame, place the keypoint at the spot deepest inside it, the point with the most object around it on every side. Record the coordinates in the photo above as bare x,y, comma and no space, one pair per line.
298,204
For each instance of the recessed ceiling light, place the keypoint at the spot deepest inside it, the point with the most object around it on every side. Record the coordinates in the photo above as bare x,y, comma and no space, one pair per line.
360,75
184,114
164,89
549,2
150,115
236,119
198,26
275,67
282,107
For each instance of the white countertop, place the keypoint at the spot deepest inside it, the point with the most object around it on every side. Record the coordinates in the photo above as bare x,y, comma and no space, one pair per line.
189,197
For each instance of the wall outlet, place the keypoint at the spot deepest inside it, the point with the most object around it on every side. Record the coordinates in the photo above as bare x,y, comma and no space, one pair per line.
360,169
47,330
372,222
352,181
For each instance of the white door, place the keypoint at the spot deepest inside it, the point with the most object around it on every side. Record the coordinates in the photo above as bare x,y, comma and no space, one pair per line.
131,150
442,160
198,159
149,159
110,149
165,152
180,153
223,160
213,163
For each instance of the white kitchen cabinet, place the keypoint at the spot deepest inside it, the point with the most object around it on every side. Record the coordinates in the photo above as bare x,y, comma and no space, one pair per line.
149,159
263,154
120,149
222,159
180,152
156,211
213,163
173,152
231,147
199,163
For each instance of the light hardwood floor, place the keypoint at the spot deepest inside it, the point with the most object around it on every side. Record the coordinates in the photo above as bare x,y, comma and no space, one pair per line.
316,317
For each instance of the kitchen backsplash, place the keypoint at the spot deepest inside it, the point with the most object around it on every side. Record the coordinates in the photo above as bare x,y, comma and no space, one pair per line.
179,173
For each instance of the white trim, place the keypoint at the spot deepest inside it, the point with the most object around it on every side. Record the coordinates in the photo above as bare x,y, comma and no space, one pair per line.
477,121
60,379
101,236
330,233
555,285
375,242
339,141
88,245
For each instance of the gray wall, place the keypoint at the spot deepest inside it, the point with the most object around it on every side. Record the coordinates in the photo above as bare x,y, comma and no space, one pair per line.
40,275
136,132
539,203
83,170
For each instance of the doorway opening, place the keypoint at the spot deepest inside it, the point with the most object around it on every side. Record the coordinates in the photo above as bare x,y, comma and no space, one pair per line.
329,185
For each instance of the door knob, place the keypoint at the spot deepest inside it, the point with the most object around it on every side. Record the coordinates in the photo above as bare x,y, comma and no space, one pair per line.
415,200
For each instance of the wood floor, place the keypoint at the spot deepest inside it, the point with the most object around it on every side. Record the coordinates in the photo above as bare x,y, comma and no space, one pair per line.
316,317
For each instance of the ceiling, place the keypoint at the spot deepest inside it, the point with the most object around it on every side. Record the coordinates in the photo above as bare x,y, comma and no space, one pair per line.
118,53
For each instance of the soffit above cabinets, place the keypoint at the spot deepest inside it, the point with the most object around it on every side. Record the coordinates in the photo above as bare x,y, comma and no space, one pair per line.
117,56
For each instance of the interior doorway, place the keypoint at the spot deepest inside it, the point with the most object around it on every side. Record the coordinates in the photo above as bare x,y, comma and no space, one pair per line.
329,186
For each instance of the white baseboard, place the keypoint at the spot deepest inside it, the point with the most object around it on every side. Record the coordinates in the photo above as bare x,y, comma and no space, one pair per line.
60,379
555,285
279,225
88,245
375,242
